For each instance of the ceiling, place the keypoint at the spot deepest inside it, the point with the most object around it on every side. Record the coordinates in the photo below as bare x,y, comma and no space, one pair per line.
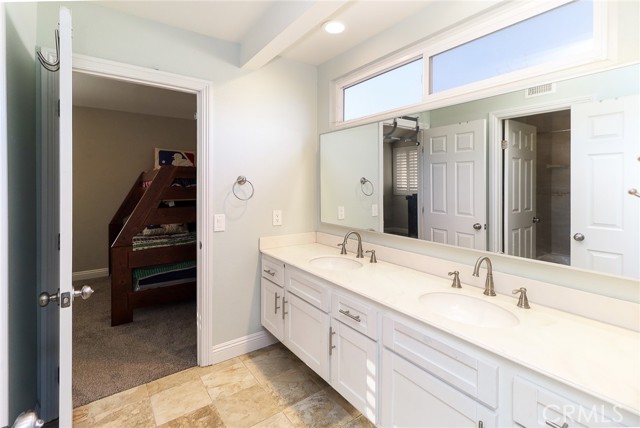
264,30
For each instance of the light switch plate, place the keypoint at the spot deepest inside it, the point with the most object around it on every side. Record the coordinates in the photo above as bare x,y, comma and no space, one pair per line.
277,217
219,221
374,210
340,213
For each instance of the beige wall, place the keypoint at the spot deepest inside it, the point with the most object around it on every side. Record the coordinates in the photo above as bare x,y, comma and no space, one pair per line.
110,150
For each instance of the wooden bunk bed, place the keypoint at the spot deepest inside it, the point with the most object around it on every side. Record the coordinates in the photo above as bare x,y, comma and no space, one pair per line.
159,198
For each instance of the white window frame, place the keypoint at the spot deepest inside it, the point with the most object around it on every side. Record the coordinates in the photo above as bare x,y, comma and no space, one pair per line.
486,24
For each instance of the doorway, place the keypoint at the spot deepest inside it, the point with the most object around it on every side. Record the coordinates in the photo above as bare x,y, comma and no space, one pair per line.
537,186
117,127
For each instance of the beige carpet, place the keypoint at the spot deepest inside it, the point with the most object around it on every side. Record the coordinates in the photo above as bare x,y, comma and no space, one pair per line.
160,341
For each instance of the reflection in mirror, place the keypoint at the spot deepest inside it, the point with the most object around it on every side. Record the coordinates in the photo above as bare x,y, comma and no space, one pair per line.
350,177
542,173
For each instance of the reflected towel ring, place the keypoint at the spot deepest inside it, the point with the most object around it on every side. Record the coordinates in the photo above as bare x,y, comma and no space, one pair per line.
364,181
241,181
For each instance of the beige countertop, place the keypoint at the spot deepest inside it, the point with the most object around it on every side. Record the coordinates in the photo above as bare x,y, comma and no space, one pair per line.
600,359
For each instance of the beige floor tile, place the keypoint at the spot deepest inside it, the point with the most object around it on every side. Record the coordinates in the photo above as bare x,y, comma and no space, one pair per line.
227,378
136,414
205,417
279,420
172,380
179,400
318,411
272,362
100,408
359,422
292,386
247,407
339,399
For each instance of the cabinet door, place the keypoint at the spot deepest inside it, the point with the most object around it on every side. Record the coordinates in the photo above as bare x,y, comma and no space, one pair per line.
354,368
411,397
272,312
307,333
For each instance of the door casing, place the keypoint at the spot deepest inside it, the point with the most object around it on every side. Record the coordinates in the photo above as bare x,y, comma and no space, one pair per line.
204,99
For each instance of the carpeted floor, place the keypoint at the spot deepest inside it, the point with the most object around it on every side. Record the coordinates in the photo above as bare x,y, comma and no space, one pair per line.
160,341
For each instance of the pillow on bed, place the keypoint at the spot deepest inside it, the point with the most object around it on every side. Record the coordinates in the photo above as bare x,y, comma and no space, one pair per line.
164,229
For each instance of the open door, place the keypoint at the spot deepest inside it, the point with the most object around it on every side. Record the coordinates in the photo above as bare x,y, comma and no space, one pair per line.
605,144
455,185
520,189
58,295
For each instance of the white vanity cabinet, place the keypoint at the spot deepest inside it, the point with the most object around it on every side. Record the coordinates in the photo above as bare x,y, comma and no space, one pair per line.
272,296
536,405
429,383
306,319
354,353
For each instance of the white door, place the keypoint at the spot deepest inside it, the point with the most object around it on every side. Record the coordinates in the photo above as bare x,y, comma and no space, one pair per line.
605,146
455,184
66,219
56,335
272,314
520,189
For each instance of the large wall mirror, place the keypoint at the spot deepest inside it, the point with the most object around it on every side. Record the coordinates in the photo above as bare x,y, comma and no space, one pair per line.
545,173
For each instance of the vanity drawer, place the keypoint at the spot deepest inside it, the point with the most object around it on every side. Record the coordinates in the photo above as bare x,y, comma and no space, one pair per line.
273,270
462,370
355,314
308,287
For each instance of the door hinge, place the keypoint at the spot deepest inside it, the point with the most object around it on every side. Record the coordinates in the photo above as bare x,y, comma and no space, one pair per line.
58,108
505,144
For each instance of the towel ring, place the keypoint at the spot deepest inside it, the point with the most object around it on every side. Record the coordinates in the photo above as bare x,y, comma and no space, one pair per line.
364,181
241,181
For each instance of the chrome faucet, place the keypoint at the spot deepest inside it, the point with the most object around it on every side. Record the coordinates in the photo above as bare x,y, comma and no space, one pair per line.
359,253
488,285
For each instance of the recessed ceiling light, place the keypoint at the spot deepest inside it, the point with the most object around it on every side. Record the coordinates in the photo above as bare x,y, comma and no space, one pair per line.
333,27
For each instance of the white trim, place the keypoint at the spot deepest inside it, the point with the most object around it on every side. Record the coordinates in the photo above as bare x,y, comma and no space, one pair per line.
495,158
603,55
242,345
90,274
4,232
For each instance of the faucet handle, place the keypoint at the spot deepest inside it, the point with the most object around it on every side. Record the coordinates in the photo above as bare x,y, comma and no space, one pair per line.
523,301
373,256
456,279
344,247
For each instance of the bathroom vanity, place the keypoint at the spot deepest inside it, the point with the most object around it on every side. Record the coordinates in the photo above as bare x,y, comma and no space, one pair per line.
406,349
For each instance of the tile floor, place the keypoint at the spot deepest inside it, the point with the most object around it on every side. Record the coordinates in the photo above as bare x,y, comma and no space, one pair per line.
268,388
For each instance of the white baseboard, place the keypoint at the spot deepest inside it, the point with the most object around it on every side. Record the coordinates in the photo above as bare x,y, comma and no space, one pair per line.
242,345
90,274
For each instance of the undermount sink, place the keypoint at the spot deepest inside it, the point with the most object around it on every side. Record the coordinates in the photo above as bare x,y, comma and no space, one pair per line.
335,263
468,310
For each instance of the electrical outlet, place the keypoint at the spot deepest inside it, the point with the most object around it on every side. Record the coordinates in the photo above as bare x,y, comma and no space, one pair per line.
340,213
277,217
374,210
219,221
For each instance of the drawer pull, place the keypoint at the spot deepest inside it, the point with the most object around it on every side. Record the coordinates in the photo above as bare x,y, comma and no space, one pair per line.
276,307
347,313
270,272
284,302
331,345
555,425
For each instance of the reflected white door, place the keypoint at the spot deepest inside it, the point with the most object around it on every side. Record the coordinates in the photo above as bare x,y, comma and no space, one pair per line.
520,189
455,184
605,143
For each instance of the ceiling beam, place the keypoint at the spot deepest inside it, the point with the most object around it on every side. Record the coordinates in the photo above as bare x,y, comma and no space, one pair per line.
282,25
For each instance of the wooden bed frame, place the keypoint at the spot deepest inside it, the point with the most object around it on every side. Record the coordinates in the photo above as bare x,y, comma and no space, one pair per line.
143,207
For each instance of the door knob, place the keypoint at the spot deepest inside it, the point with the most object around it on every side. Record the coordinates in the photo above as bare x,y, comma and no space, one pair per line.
85,292
45,298
477,226
536,220
578,237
